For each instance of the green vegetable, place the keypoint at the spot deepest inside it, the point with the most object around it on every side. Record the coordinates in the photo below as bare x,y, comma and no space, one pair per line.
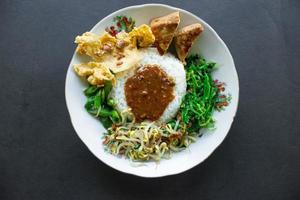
99,105
199,102
172,123
111,102
103,112
98,99
115,116
91,90
107,88
106,121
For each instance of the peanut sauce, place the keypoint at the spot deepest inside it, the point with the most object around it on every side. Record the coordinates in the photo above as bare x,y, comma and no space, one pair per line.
149,92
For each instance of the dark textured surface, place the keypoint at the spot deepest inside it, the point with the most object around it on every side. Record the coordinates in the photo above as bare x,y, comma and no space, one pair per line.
42,158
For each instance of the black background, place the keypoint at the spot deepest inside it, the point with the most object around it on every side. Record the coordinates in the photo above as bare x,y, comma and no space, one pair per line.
42,158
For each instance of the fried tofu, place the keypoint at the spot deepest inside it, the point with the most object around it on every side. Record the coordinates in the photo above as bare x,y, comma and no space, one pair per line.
164,29
185,38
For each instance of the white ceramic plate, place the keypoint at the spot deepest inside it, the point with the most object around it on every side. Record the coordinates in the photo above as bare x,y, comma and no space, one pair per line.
210,46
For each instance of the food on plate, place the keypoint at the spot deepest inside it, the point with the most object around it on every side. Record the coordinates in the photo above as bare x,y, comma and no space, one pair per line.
143,35
100,105
149,86
90,44
151,103
119,52
122,24
172,70
150,140
96,73
164,29
185,38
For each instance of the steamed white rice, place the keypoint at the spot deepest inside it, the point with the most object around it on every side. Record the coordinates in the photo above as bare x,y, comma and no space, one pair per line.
168,63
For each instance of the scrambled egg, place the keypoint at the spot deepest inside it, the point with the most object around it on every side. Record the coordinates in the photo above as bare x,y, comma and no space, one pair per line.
95,72
143,35
111,53
94,45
